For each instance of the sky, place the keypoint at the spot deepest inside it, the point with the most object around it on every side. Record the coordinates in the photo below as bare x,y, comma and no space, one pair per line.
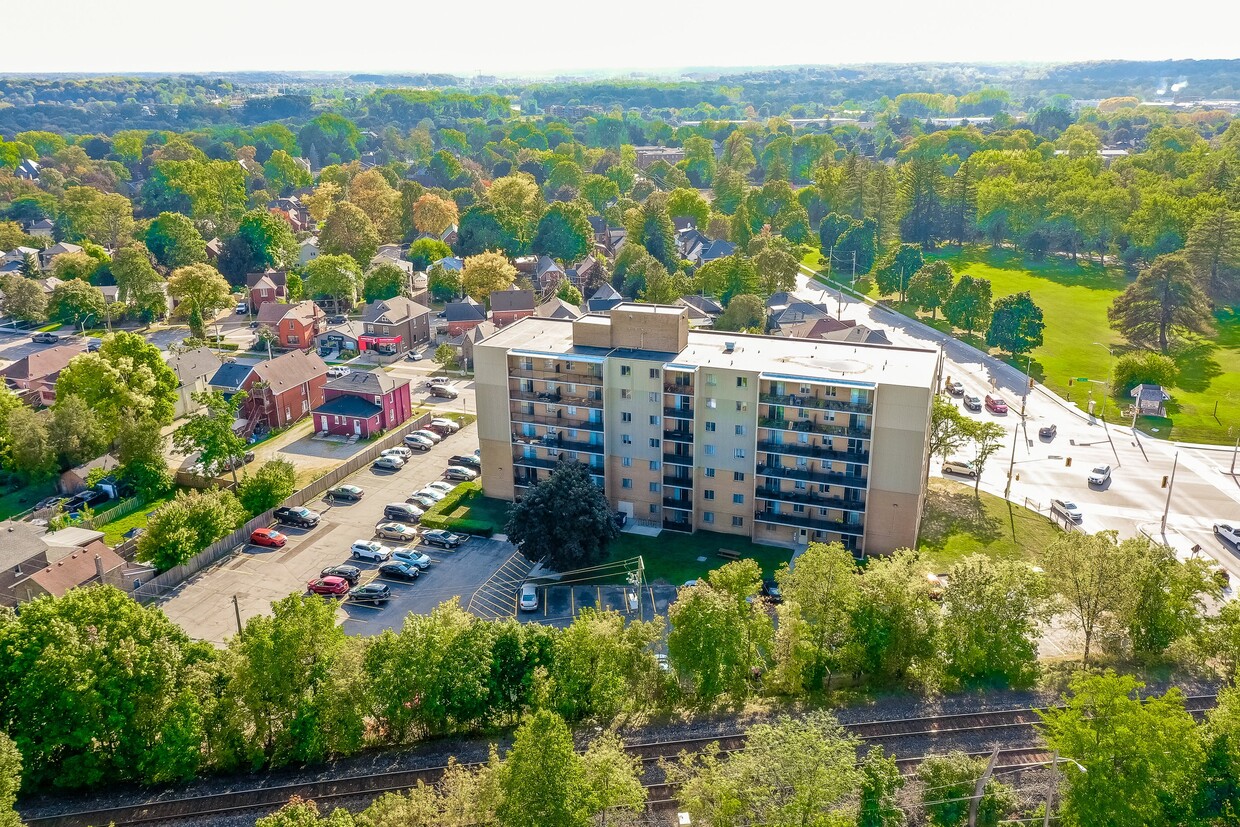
566,36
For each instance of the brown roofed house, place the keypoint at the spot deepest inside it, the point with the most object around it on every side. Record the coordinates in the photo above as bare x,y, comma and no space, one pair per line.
296,325
37,371
393,325
508,306
284,389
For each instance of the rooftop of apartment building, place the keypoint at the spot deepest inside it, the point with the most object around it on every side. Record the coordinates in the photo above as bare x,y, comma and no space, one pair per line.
771,355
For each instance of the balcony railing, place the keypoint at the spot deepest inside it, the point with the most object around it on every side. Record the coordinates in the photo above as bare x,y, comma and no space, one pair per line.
549,463
678,459
557,443
674,502
809,426
794,473
818,451
555,398
794,401
811,500
522,481
556,376
678,525
556,421
679,390
678,413
676,481
803,521
678,435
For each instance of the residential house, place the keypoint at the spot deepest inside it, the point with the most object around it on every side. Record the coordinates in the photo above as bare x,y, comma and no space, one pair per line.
230,378
60,248
834,330
284,389
527,265
557,308
22,553
339,337
75,479
604,299
798,312
307,250
449,236
581,274
214,248
73,568
49,284
698,248
507,306
363,404
470,338
697,317
779,301
703,304
296,325
647,155
111,294
37,371
607,240
547,275
28,170
267,286
451,264
393,325
463,315
294,211
41,228
194,369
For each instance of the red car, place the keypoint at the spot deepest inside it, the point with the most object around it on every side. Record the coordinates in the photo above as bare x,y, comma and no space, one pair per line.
331,586
995,404
268,537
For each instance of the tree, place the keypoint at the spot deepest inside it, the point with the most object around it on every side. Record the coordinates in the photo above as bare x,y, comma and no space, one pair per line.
10,781
335,277
662,287
140,448
895,625
273,483
97,689
201,292
987,439
920,190
75,301
24,299
301,813
1213,251
126,379
991,615
656,232
284,174
446,355
949,428
29,446
564,521
485,273
480,229
433,215
137,283
75,432
1092,574
542,781
1164,299
744,313
178,530
930,286
612,777
1168,599
516,202
1142,756
857,247
210,434
263,239
776,262
563,233
30,266
968,304
950,781
815,629
1132,369
426,251
370,192
385,281
727,277
174,241
688,203
881,782
65,267
601,664
1016,324
897,268
567,292
349,231
444,285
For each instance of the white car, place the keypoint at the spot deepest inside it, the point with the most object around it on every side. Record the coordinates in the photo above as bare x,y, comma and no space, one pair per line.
399,451
1230,533
460,472
440,486
370,550
1099,474
389,462
959,466
434,493
529,597
412,558
421,500
431,435
446,424
338,371
418,442
1067,509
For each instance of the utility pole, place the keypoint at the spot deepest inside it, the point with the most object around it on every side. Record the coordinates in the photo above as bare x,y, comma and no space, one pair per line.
1170,487
980,787
1233,456
1012,463
237,611
1050,790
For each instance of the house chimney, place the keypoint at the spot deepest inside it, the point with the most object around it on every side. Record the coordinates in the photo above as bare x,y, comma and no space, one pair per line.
99,567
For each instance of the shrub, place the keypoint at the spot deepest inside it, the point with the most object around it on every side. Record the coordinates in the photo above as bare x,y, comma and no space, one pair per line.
180,529
1147,367
437,515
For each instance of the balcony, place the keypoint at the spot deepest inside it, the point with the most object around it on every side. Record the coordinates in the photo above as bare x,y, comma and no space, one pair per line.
523,480
817,451
810,426
555,398
556,421
550,463
678,525
678,413
678,435
803,521
679,390
792,401
678,481
811,500
558,443
557,376
678,459
793,473
678,504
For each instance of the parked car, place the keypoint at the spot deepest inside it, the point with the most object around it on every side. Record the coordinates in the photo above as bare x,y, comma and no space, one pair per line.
297,515
234,462
445,424
413,558
352,493
370,550
418,443
959,466
1099,475
443,392
349,573
433,493
93,345
404,512
267,537
1228,532
1066,509
330,586
45,338
973,403
995,404
441,486
326,351
770,590
1047,431
337,319
49,502
242,308
954,387
396,531
372,593
529,597
399,571
338,370
443,539
421,501
467,460
388,463
459,472
431,435
399,451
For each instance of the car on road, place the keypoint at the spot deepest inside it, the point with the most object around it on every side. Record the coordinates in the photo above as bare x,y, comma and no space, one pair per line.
93,345
352,493
418,443
350,573
996,404
421,500
442,538
959,466
529,597
45,338
399,571
955,387
297,515
1228,532
242,308
412,558
402,512
431,435
330,586
460,472
396,531
467,460
388,463
1066,509
442,423
267,537
441,486
1048,431
370,550
372,593
337,371
413,356
770,590
399,451
1099,475
973,403
443,392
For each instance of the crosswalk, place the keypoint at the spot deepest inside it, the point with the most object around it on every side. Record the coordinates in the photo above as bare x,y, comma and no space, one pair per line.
497,597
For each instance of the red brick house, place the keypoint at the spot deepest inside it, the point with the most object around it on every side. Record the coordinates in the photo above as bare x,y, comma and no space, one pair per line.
284,389
296,325
363,404
463,315
508,306
268,286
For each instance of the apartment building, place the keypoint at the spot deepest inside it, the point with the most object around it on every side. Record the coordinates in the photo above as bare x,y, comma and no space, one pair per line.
779,440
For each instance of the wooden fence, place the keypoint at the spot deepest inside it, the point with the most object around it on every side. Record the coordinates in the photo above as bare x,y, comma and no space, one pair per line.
163,583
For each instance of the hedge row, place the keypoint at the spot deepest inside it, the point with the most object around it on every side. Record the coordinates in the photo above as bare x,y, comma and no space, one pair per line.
439,515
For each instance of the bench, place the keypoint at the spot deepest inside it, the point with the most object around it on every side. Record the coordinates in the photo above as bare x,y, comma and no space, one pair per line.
728,554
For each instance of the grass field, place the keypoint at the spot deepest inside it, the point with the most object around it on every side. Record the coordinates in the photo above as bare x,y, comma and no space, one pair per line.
24,498
114,532
672,558
487,510
956,524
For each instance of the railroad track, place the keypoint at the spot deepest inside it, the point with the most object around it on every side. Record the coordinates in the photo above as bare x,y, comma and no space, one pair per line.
650,752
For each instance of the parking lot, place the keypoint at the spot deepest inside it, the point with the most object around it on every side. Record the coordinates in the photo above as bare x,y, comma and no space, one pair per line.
559,604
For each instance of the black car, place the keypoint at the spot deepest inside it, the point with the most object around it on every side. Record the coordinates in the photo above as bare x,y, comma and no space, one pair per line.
350,573
770,590
337,319
373,593
399,571
299,516
84,499
444,539
1048,431
49,502
352,493
466,460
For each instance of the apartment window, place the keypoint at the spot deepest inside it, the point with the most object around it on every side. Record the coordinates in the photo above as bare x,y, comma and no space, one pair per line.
626,370
625,416
742,381
710,426
799,485
710,380
653,396
742,406
626,439
708,516
710,472
626,483
654,487
740,430
627,462
797,508
708,494
654,509
805,389
572,410
740,453
737,522
654,420
738,499
654,373
655,465
710,450
710,403
654,443
625,393
738,476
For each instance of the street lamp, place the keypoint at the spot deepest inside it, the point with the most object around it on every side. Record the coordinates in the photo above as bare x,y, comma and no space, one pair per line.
85,319
1110,373
1056,760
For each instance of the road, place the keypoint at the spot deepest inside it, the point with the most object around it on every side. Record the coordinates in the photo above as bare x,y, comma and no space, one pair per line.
1133,502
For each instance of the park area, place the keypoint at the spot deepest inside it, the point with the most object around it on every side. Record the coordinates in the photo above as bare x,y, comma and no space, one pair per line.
1074,297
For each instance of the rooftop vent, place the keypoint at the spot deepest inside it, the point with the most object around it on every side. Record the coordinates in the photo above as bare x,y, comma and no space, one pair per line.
728,347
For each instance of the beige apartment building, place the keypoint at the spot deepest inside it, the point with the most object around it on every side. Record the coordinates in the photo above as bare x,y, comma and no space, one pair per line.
780,440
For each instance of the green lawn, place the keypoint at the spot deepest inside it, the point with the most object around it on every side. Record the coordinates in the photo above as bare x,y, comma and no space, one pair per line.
956,524
114,532
672,558
487,510
24,498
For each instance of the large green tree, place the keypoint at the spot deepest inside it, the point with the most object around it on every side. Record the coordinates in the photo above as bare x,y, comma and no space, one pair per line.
542,781
174,241
563,233
744,313
1092,574
178,530
201,292
127,378
336,277
1213,251
815,629
348,231
930,287
273,483
602,665
1164,299
24,298
897,268
1016,324
564,521
10,781
968,305
210,434
75,302
950,782
263,239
